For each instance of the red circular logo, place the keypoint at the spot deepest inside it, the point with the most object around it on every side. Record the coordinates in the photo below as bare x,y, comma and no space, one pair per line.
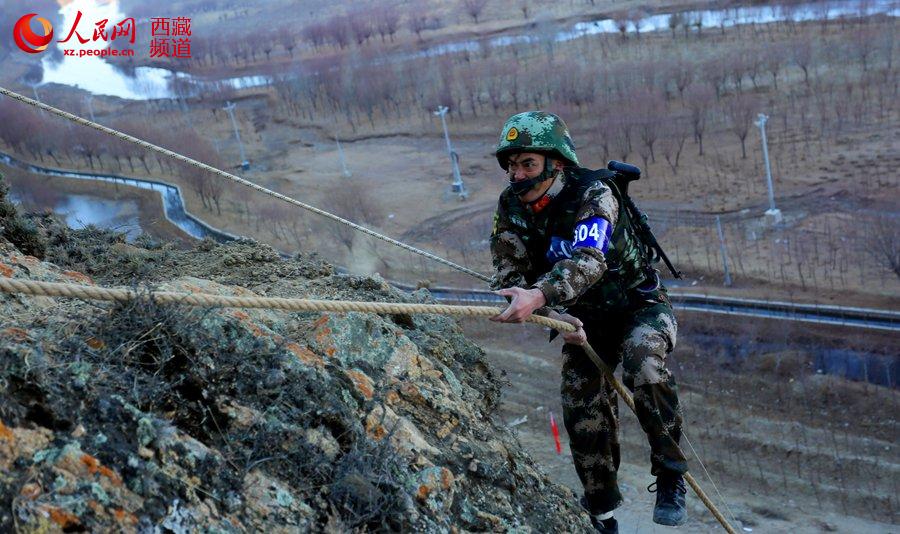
27,39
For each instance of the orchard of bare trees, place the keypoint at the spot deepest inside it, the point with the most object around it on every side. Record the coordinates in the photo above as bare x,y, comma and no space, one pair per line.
683,103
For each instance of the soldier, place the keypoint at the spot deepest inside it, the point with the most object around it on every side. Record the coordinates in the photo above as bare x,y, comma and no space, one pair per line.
560,240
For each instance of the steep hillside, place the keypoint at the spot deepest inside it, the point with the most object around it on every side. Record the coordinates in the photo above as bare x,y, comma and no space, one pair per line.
154,418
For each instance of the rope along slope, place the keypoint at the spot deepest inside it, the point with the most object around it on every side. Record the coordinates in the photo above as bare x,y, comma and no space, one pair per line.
54,289
238,179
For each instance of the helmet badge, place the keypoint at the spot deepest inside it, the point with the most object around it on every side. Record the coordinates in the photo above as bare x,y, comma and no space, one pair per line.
512,134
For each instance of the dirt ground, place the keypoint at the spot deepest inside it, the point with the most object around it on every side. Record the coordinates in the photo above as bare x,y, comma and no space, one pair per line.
745,419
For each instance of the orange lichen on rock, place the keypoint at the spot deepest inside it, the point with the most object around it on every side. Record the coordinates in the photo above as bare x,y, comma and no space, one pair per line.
6,270
193,289
94,467
240,315
90,462
124,516
18,334
78,277
111,475
411,393
305,355
5,433
375,430
392,397
255,329
30,491
447,428
446,478
63,518
362,382
27,261
322,334
96,507
95,343
321,321
424,492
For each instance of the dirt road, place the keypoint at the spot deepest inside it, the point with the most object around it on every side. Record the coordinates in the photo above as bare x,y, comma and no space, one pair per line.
737,450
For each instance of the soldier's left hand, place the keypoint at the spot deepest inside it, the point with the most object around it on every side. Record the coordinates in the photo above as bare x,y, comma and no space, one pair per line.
524,302
578,337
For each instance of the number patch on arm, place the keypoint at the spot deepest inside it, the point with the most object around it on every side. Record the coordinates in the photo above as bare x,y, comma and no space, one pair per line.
594,232
560,249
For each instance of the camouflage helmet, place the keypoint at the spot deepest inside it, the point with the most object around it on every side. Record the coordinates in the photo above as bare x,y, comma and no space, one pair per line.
536,131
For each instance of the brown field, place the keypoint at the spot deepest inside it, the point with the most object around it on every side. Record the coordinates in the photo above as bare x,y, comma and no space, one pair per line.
790,450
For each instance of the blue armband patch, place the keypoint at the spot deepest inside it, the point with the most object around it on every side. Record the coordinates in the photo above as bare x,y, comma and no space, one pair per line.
593,232
560,249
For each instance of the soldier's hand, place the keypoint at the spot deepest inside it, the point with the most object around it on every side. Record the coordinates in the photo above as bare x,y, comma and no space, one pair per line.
524,302
578,337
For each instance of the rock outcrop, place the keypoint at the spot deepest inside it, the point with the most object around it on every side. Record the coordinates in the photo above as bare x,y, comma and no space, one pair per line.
143,417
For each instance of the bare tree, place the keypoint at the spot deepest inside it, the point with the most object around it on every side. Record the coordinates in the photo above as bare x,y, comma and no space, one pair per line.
352,200
621,22
315,34
650,108
754,65
672,141
636,17
361,27
802,56
419,20
337,31
287,39
387,21
473,8
715,73
741,111
621,128
864,45
884,243
737,68
774,60
682,74
675,21
698,98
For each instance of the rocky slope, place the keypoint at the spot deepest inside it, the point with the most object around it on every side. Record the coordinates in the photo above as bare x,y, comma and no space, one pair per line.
149,418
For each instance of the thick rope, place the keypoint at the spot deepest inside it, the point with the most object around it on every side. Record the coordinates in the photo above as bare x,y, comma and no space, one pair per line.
237,179
55,289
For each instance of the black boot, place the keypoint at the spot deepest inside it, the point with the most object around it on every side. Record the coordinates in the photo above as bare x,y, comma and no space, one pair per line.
670,491
604,526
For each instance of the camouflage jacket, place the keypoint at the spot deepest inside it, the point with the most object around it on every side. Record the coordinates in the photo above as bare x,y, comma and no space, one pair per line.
520,241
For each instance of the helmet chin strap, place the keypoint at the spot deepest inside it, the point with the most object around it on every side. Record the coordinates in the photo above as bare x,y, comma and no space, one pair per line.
523,186
542,200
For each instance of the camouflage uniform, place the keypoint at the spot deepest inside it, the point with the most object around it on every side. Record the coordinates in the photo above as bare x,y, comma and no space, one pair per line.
626,317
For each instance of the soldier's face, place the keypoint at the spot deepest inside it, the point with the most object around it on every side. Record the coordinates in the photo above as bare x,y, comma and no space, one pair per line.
525,166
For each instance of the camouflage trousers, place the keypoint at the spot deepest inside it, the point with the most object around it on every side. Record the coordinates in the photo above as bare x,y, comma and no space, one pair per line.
638,337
